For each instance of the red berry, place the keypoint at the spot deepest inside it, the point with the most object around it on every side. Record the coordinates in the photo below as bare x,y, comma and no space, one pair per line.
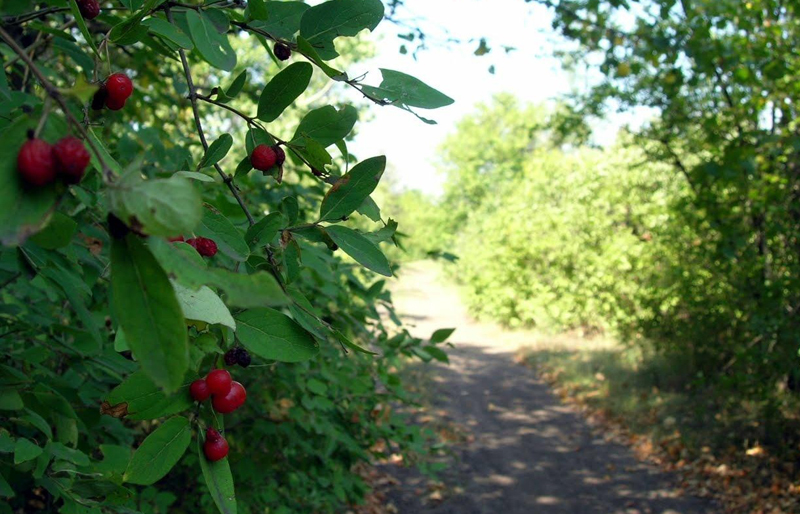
176,239
219,382
215,447
200,390
36,163
119,87
114,104
280,155
90,9
206,247
99,98
225,404
71,159
282,52
263,157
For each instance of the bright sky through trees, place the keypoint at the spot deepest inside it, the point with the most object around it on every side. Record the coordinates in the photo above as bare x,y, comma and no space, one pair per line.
529,72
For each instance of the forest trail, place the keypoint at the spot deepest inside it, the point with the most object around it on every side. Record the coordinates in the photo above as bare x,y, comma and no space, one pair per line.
524,451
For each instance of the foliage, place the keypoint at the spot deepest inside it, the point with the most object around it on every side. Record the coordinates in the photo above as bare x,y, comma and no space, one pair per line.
102,311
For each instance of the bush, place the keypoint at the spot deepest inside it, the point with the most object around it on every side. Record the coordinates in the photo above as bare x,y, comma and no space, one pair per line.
104,323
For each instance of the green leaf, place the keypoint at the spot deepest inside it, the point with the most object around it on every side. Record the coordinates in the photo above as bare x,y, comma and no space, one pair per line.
370,209
236,86
265,230
403,89
120,342
350,344
258,9
441,335
203,305
283,89
314,153
59,451
183,263
228,238
146,400
149,313
284,19
361,249
352,189
10,399
214,47
317,387
169,32
217,151
384,234
39,422
305,48
5,488
76,13
325,22
326,125
437,353
159,207
218,480
159,452
25,210
25,450
255,137
58,232
194,175
272,335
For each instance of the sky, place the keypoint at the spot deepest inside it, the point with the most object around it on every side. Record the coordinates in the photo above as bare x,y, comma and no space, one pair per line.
529,72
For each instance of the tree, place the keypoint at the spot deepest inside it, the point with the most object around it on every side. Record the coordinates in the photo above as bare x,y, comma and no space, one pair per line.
150,252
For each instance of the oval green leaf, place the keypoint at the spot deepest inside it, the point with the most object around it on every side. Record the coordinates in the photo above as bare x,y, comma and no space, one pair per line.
159,452
218,480
217,151
283,89
213,46
361,249
149,313
272,335
352,189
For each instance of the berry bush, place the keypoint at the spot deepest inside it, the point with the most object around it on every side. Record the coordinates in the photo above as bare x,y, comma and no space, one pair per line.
176,261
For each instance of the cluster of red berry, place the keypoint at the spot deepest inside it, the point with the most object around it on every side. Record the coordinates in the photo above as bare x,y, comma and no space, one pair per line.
39,163
113,93
226,396
204,246
265,157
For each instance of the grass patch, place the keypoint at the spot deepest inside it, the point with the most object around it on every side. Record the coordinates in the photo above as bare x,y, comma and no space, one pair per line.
742,453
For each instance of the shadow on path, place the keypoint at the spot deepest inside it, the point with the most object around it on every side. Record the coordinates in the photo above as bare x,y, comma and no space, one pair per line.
528,453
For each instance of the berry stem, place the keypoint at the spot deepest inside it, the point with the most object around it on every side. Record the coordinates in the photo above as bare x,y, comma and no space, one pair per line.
52,91
48,103
195,111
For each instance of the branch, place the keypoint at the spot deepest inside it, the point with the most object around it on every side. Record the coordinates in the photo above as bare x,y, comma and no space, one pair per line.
56,95
22,18
350,82
677,160
193,99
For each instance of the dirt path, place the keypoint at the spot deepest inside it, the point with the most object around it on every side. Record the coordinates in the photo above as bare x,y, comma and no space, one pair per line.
527,452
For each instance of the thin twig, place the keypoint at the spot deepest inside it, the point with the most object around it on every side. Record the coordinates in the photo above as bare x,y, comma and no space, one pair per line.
39,43
56,95
198,124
